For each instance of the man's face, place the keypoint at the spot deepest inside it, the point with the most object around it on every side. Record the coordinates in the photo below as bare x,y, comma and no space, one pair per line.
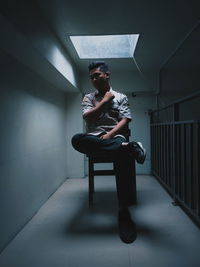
99,78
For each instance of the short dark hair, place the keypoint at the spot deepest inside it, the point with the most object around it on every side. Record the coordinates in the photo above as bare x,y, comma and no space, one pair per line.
98,64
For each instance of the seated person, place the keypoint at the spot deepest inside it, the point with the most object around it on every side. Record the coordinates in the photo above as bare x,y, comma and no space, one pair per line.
107,115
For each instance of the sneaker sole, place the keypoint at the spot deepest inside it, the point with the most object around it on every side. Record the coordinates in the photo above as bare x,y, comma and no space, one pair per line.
144,151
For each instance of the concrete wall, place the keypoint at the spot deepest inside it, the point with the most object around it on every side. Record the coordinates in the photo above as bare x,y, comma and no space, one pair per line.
180,76
140,127
26,35
75,160
36,75
33,144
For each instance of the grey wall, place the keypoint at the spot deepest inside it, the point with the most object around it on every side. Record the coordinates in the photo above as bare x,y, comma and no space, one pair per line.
180,76
33,144
140,127
26,35
75,160
36,75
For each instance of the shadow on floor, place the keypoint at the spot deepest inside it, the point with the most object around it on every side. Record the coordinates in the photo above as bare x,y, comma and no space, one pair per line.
101,218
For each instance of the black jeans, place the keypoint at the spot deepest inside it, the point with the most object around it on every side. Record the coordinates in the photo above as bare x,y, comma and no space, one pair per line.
123,162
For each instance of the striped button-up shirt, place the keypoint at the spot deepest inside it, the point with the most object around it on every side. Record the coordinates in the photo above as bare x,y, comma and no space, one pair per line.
112,113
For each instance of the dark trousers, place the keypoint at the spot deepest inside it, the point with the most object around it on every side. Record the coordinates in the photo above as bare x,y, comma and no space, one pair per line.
123,162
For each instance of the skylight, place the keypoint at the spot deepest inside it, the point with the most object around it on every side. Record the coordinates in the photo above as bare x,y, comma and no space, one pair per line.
105,46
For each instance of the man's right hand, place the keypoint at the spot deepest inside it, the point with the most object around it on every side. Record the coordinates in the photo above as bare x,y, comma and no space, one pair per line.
94,113
108,97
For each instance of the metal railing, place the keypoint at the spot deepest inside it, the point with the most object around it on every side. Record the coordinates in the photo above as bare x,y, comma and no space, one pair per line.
175,149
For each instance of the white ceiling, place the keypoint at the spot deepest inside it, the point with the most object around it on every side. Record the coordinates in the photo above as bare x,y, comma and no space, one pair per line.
162,26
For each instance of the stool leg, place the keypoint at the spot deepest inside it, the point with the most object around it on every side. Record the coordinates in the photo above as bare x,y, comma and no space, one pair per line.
91,182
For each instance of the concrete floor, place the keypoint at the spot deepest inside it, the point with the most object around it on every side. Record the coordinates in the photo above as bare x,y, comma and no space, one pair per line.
65,232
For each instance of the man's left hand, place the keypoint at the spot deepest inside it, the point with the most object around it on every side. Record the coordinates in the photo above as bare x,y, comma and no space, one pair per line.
106,136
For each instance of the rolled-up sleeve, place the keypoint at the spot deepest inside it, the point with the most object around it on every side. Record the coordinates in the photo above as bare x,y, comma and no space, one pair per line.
86,104
124,109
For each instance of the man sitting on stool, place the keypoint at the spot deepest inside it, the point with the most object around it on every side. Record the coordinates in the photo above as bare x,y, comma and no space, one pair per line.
107,116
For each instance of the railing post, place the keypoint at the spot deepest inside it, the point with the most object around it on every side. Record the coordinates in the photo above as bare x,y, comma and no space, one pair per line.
176,112
180,142
175,118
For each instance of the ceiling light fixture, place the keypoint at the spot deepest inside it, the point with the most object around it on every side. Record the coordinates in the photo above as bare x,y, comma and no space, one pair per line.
105,46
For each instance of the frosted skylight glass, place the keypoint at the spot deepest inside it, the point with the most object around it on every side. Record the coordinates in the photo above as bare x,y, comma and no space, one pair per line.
105,46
